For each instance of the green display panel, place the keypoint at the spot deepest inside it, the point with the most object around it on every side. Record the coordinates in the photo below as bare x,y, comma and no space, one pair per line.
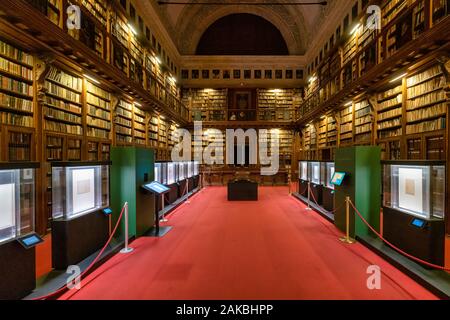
132,167
362,184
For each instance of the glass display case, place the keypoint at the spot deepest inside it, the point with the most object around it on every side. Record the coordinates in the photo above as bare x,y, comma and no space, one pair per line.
196,168
171,173
315,172
79,189
415,188
303,170
181,171
190,169
327,174
17,198
158,172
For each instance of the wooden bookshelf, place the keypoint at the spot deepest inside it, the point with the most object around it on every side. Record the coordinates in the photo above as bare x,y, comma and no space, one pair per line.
153,131
363,123
277,105
139,126
98,112
62,108
426,104
322,135
331,131
389,113
123,123
52,9
346,126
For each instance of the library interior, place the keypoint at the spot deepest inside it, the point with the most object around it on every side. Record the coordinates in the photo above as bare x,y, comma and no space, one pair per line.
231,150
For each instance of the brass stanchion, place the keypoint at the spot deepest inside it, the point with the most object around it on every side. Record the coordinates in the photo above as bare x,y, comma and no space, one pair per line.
347,238
309,197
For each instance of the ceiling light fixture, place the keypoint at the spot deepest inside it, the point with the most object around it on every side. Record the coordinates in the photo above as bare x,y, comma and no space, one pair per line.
234,3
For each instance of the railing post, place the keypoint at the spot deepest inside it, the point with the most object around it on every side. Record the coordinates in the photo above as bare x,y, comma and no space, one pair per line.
127,249
309,196
347,238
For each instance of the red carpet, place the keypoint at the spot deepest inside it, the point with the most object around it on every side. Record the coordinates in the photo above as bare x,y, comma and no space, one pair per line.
271,249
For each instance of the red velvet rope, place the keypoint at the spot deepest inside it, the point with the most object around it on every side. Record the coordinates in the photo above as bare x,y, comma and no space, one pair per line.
64,288
393,246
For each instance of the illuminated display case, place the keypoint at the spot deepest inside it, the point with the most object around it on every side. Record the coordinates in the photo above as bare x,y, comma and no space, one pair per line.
328,174
303,170
196,168
190,169
158,172
327,171
79,189
417,190
414,207
17,198
303,178
171,173
314,172
181,171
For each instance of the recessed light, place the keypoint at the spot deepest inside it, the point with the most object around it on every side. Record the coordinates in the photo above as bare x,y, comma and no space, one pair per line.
90,78
398,78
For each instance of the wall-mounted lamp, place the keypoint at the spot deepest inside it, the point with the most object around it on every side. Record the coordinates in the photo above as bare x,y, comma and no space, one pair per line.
398,78
132,29
355,29
91,79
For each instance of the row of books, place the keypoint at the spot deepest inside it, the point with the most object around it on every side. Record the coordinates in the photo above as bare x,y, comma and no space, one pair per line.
390,133
98,102
97,8
139,134
346,128
425,87
62,127
390,114
16,120
423,76
98,133
390,103
99,92
12,52
389,93
363,120
426,126
54,102
138,126
422,114
61,77
124,139
424,100
123,122
392,9
100,113
61,115
58,91
123,131
389,124
15,103
363,128
98,123
124,113
15,69
16,86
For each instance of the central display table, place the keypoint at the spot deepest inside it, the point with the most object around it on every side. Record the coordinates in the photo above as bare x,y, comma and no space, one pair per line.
242,190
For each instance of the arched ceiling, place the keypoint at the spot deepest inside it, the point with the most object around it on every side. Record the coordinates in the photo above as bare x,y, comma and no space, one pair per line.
187,23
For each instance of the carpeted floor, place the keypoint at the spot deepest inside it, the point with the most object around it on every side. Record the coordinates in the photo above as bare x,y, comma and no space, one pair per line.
270,249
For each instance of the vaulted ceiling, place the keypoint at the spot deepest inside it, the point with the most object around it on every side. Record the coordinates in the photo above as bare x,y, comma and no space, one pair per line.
186,23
